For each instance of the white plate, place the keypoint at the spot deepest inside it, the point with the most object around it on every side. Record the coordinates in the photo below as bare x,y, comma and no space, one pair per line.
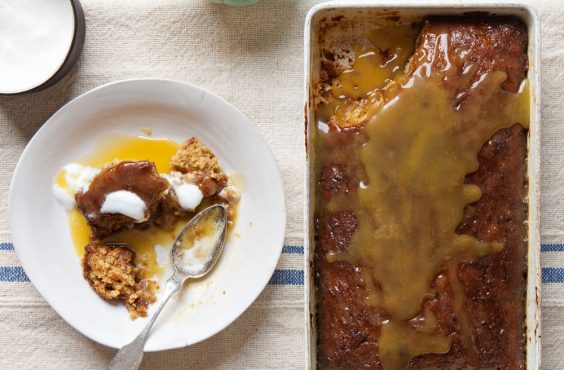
175,110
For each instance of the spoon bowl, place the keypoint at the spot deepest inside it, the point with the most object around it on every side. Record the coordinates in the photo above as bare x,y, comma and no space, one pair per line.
199,245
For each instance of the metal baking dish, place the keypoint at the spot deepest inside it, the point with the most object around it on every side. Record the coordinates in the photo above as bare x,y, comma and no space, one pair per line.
405,12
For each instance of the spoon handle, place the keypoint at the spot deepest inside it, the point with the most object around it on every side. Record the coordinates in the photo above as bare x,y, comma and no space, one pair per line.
129,356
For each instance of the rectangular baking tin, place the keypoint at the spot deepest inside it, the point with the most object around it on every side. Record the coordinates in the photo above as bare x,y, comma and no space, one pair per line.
384,14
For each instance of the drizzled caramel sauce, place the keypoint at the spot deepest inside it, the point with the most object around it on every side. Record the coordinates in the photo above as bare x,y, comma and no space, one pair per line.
360,86
410,161
376,66
123,147
119,147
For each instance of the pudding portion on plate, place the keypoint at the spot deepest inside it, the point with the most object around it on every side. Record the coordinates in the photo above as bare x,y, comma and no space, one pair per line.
126,204
110,270
121,195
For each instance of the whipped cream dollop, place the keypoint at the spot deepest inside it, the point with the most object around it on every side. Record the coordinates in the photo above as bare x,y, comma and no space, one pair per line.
126,203
189,194
64,198
77,178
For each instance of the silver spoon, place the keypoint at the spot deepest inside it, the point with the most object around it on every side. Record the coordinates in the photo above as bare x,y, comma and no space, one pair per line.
189,261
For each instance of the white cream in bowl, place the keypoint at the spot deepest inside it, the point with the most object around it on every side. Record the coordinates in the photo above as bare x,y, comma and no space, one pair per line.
35,38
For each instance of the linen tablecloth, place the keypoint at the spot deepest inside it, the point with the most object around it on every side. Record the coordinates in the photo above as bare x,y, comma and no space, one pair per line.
253,57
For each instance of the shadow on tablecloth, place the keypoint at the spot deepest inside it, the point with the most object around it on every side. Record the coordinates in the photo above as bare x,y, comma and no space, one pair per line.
28,112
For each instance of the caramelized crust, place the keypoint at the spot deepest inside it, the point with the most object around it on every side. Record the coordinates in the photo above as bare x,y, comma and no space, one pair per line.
473,47
490,331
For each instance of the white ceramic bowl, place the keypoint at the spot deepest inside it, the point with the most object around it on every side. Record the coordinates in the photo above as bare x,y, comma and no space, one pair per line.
175,110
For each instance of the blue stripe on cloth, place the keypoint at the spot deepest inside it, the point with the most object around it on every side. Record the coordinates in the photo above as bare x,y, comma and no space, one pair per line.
293,249
12,274
287,277
553,275
280,277
552,248
6,247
